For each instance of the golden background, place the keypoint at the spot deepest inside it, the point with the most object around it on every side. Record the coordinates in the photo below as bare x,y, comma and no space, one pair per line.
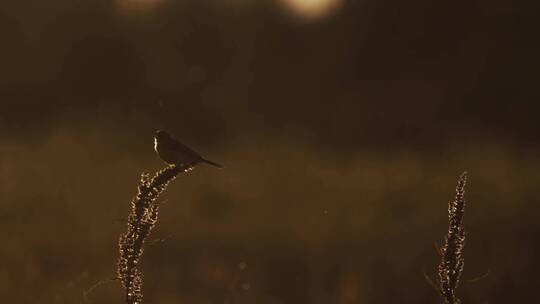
343,127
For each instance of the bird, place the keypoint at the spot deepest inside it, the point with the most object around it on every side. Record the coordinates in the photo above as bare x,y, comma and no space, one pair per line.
173,152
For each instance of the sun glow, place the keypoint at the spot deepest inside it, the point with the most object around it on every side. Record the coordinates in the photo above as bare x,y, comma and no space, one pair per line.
312,9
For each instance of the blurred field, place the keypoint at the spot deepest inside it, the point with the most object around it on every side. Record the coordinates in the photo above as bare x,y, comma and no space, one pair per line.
288,224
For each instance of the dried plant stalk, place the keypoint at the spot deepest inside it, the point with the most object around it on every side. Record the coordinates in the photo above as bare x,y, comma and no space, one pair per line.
452,259
142,218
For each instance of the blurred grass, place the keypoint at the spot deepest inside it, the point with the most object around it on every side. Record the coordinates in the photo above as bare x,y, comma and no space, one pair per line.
312,226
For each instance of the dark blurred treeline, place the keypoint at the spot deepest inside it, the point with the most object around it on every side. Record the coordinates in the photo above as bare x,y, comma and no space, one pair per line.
386,72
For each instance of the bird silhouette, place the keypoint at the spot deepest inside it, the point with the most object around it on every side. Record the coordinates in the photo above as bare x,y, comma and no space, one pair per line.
174,152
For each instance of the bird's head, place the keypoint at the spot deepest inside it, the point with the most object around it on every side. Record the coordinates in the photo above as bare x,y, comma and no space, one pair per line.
161,135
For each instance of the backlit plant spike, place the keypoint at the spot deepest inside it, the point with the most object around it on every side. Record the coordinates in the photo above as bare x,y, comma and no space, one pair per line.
141,220
452,259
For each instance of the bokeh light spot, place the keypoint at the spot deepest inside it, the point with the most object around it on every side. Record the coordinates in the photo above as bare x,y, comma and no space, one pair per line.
312,9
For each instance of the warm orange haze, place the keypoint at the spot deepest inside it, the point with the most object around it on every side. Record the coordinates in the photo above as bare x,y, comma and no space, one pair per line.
344,128
312,9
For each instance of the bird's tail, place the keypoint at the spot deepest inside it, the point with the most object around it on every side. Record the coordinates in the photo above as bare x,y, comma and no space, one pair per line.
212,163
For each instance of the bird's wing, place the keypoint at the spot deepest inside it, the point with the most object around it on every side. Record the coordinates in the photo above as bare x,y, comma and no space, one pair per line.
185,149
